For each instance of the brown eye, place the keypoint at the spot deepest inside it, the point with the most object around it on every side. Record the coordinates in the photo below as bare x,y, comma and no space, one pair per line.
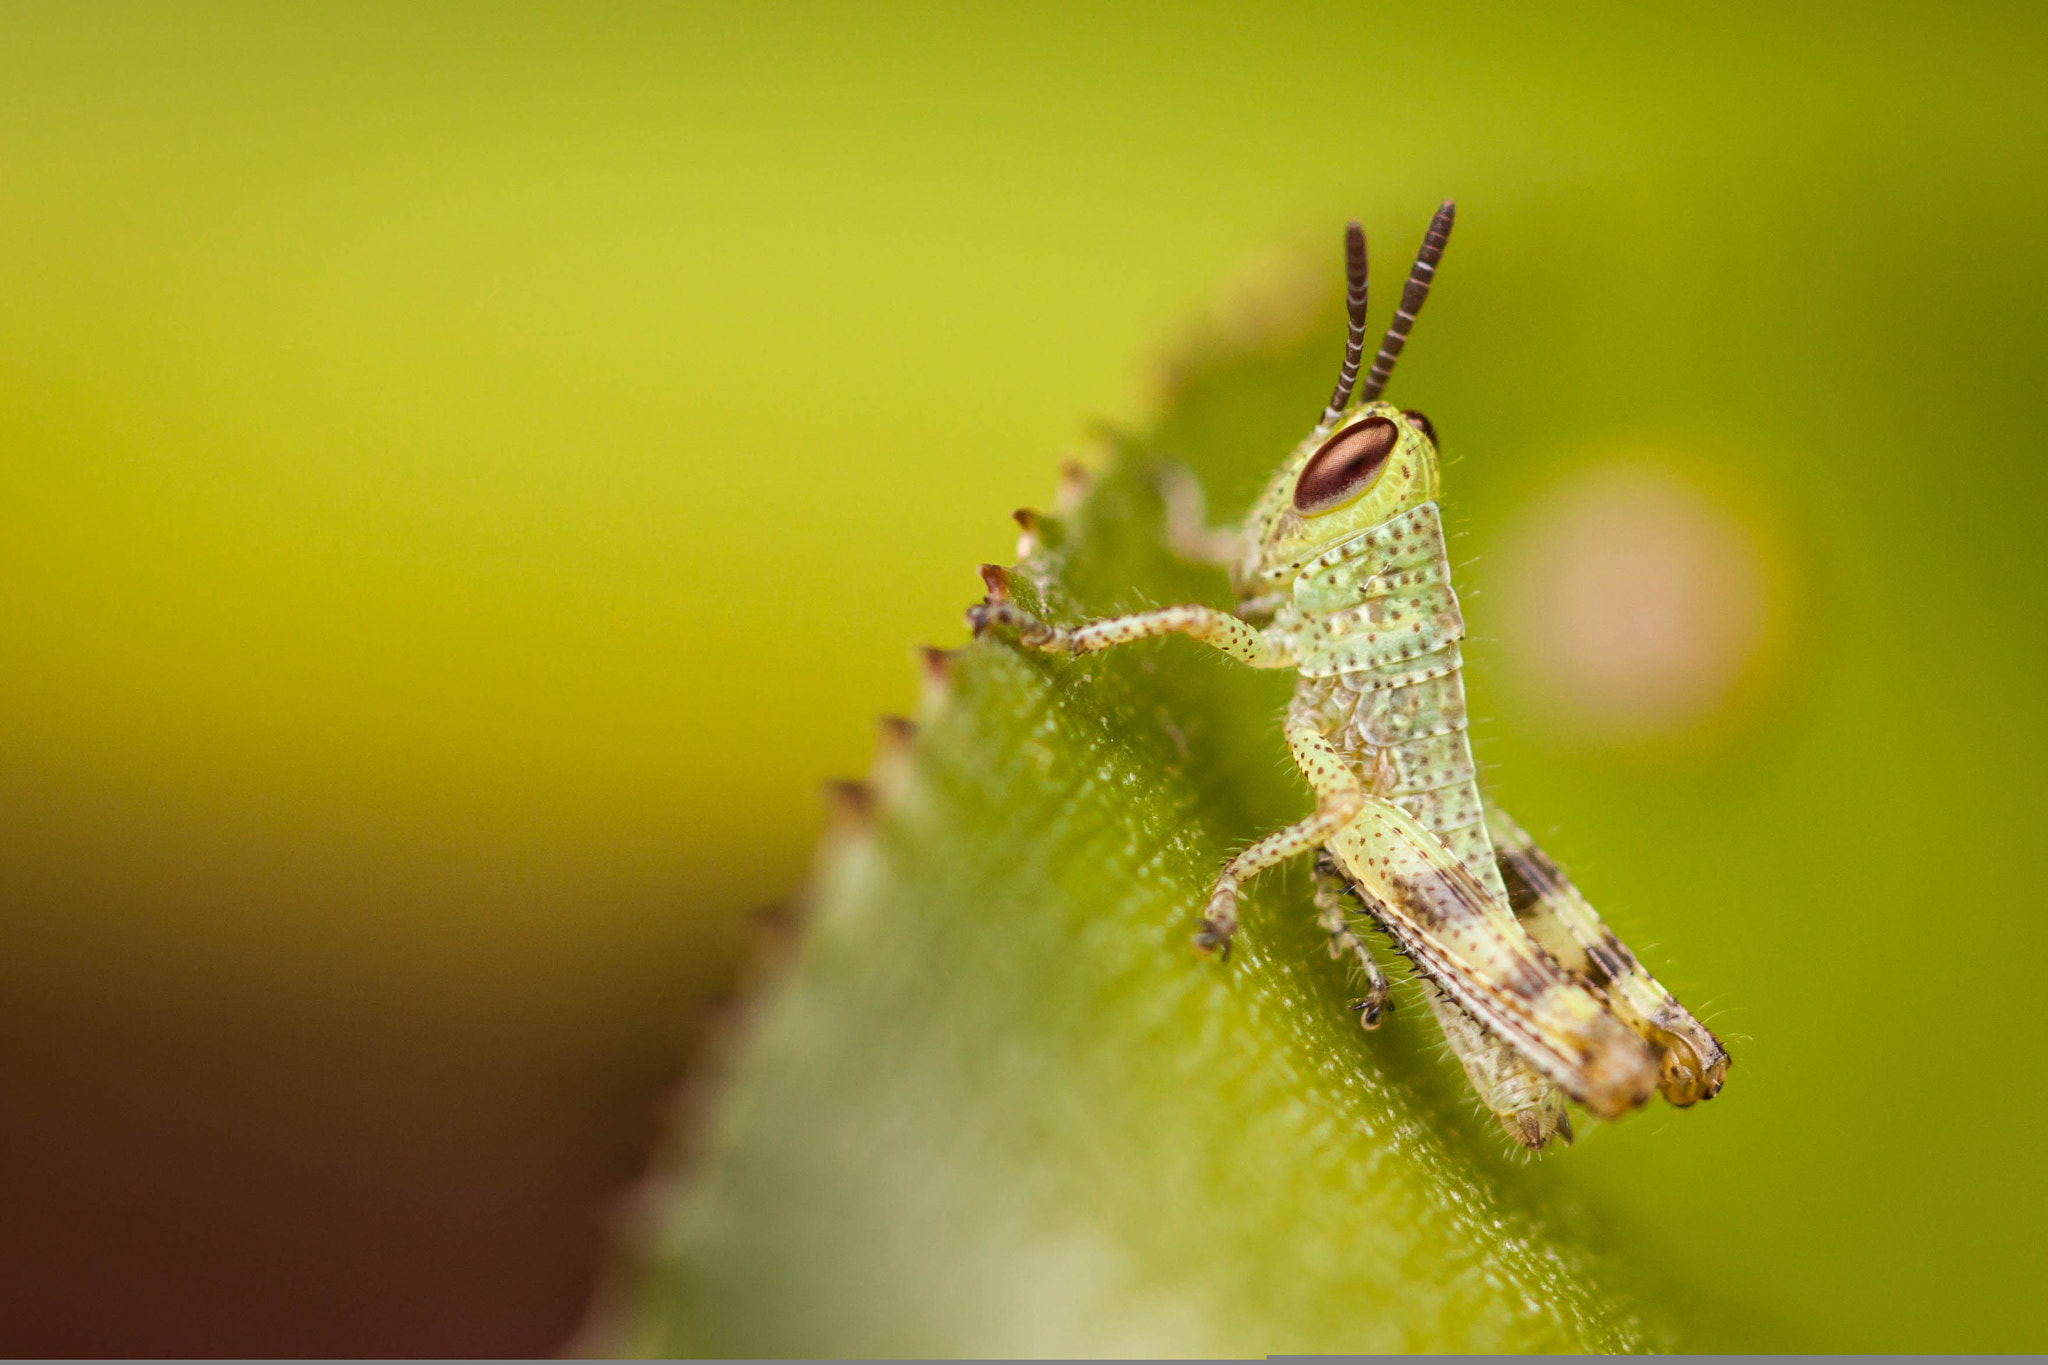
1345,466
1421,424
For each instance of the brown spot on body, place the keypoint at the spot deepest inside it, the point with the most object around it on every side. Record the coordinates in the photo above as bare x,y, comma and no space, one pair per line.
1623,959
1525,981
1523,898
1602,968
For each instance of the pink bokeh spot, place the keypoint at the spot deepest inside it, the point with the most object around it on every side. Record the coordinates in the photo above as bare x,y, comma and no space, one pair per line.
1634,600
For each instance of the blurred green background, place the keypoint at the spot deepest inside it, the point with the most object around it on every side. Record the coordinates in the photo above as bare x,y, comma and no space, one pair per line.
467,473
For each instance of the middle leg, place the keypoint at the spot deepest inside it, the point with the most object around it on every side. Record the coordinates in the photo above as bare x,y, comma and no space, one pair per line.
1339,798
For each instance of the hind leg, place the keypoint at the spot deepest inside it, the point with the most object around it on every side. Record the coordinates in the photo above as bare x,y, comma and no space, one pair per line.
1691,1061
1527,1106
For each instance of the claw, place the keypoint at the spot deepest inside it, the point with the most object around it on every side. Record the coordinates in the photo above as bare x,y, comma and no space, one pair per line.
1219,919
1372,1009
1030,631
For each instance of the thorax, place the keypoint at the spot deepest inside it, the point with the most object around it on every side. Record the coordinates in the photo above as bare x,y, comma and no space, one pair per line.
1376,627
1380,602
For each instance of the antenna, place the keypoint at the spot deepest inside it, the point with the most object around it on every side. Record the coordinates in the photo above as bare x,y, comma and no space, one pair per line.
1354,304
1417,290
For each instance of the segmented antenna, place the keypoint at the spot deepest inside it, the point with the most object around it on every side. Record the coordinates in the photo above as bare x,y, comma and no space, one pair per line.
1411,299
1354,304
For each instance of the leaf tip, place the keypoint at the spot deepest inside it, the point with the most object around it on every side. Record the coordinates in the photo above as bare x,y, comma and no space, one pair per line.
851,804
996,579
1075,481
935,672
1031,538
895,746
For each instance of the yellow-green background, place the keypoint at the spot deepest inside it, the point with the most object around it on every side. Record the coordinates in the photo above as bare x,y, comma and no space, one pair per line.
466,474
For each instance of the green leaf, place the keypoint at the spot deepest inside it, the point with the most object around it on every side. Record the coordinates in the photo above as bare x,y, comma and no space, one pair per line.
999,1106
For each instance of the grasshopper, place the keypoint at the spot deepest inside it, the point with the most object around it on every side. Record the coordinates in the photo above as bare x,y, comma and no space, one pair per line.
1341,575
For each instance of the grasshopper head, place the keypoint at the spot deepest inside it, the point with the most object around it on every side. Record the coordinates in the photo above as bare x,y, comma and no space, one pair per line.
1365,461
1376,463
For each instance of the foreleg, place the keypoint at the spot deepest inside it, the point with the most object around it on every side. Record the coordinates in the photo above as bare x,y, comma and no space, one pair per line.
1218,629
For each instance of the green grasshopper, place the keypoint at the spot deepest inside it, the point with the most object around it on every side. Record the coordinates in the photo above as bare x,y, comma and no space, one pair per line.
1341,575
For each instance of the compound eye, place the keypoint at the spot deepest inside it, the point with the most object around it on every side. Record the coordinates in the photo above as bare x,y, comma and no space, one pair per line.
1346,466
1421,424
